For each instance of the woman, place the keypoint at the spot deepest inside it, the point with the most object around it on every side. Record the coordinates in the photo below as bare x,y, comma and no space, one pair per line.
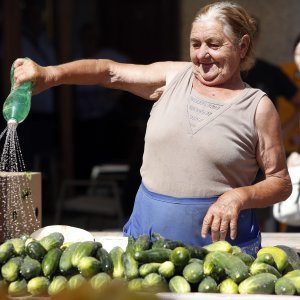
207,135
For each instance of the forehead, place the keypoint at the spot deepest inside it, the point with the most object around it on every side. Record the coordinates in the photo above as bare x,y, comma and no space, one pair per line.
208,29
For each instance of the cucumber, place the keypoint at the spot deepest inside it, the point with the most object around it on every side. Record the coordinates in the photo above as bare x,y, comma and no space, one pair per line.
11,269
284,286
166,269
180,256
6,252
89,266
263,283
135,285
52,240
38,286
260,267
142,243
210,268
236,249
294,276
57,285
266,258
87,248
131,267
100,280
292,256
19,246
65,262
179,284
208,285
30,268
50,262
197,260
116,257
17,288
154,283
105,260
130,245
219,246
234,267
148,268
161,242
278,254
75,281
246,258
193,272
153,255
228,286
35,250
197,251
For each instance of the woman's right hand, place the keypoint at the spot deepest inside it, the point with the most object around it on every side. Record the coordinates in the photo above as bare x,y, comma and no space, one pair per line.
27,70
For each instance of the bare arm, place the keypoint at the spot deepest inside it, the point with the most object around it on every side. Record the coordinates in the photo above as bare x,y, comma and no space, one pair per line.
146,81
276,187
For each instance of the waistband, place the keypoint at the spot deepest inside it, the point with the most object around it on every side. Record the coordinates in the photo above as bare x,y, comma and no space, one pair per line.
171,199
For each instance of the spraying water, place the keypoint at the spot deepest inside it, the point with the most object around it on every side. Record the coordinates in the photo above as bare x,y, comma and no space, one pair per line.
17,212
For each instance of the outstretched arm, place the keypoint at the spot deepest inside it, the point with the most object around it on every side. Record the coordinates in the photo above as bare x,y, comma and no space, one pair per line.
146,81
223,214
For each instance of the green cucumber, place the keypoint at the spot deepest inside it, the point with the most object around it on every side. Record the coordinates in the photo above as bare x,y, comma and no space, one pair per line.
180,256
38,286
154,283
278,254
50,262
263,283
65,262
87,248
233,266
292,256
193,272
11,269
260,267
135,285
285,286
246,258
52,240
219,246
19,246
116,257
35,250
131,267
153,255
208,285
30,268
179,284
98,281
75,281
17,288
142,243
105,260
197,251
166,269
6,252
57,285
148,268
89,266
228,286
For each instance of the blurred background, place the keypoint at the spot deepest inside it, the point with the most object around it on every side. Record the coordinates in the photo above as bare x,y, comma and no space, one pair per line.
70,130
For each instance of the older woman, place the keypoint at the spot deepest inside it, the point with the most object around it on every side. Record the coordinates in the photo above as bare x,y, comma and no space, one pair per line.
207,135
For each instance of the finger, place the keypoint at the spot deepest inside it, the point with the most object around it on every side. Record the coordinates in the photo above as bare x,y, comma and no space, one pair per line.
19,62
207,221
215,229
233,229
223,229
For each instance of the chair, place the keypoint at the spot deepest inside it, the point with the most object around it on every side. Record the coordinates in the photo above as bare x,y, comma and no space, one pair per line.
100,196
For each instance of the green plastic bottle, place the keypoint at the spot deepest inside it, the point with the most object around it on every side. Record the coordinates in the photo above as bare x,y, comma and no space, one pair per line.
17,105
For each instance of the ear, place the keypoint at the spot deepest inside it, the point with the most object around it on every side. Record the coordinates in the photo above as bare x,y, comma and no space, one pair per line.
244,45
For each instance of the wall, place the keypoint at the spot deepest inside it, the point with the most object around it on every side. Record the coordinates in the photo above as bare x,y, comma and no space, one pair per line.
280,24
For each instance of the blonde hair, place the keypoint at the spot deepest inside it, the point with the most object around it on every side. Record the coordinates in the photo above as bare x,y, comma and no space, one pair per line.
236,23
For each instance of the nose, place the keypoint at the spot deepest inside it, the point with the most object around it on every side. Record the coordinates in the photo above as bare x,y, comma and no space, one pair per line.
203,52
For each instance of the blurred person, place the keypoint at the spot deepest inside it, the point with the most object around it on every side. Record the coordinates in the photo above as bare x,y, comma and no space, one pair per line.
207,135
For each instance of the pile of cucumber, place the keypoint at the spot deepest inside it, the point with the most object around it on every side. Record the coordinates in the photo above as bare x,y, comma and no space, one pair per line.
48,266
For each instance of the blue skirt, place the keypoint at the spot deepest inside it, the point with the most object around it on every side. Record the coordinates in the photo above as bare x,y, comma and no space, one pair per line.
181,219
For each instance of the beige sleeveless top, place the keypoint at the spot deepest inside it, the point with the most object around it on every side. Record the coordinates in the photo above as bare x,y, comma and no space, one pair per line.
199,147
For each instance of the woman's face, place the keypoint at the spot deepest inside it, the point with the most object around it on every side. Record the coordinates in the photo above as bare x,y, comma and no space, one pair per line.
216,60
297,56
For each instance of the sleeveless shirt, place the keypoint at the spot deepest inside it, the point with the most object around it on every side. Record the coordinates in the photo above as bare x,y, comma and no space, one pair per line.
199,147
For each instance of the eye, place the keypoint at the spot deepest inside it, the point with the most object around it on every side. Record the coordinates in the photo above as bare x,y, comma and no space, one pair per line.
214,46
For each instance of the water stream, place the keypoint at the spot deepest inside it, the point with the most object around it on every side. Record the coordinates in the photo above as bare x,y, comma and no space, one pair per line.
17,210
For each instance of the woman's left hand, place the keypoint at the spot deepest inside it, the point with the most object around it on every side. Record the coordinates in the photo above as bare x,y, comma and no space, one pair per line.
223,216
